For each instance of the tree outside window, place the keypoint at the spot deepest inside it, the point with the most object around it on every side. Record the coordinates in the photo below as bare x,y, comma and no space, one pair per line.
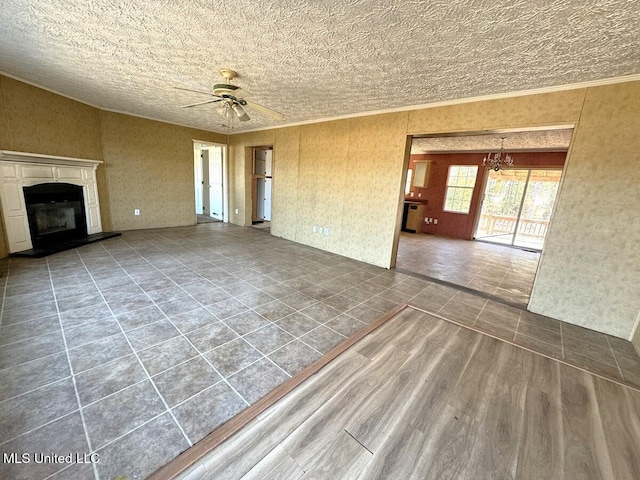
460,183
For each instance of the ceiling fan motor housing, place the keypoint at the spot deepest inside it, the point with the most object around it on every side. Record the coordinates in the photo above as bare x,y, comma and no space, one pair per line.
221,89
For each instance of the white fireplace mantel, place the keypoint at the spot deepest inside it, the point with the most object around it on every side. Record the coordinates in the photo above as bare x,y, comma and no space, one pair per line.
19,169
9,156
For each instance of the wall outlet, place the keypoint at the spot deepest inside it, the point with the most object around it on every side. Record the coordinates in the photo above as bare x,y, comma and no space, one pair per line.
435,221
325,231
237,211
314,229
426,220
411,194
136,211
420,194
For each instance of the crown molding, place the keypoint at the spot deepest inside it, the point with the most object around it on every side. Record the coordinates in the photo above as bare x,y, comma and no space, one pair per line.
33,84
444,103
482,98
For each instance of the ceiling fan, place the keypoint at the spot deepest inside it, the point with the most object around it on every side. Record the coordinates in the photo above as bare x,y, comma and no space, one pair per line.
231,99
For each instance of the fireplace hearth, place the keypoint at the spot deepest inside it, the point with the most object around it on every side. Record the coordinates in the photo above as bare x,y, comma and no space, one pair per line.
57,219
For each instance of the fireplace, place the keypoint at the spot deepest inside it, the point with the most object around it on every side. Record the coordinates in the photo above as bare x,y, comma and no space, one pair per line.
56,213
49,203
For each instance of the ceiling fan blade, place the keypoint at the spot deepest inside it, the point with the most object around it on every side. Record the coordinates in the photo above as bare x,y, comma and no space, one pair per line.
194,91
240,93
201,103
265,111
242,115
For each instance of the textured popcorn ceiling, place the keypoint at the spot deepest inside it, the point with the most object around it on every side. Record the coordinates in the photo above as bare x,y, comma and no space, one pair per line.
311,59
549,140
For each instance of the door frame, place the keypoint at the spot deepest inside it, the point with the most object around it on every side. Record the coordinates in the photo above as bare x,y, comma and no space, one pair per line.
225,174
407,158
524,193
254,179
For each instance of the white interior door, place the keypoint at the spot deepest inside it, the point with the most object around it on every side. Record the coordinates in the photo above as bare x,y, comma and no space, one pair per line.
260,191
205,175
197,178
268,163
216,186
260,165
262,171
267,199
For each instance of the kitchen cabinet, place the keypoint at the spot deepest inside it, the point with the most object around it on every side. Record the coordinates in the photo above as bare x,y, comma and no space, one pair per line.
421,173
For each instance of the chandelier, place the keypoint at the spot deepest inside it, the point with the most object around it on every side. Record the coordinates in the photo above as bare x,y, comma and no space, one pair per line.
499,160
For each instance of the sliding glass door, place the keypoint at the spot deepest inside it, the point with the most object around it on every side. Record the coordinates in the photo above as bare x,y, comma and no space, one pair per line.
517,206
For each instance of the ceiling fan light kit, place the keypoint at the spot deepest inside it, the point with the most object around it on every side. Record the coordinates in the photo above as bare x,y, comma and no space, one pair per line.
231,98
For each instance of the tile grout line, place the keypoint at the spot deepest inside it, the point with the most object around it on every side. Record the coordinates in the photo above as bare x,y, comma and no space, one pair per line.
26,338
253,346
135,353
37,388
162,271
251,309
50,333
4,442
180,334
73,378
218,318
129,431
240,336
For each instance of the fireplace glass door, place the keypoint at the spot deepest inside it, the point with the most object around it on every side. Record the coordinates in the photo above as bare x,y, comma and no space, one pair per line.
56,213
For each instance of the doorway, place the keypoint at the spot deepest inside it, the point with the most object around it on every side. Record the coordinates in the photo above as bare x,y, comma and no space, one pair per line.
458,203
517,206
209,180
262,183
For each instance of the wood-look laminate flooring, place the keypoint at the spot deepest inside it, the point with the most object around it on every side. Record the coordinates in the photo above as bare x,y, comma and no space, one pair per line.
425,398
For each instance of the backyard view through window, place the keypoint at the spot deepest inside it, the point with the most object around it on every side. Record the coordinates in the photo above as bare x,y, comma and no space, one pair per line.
517,206
460,183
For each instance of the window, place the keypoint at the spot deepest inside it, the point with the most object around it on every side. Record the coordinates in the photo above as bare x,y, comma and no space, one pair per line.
460,183
407,185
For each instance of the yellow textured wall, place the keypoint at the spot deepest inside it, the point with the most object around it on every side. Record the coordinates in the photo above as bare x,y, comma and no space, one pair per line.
36,121
241,171
590,269
558,108
347,175
149,166
374,171
285,183
342,175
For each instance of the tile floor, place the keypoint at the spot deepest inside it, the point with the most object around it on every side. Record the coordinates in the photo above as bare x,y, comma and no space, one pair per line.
498,270
205,219
137,347
164,334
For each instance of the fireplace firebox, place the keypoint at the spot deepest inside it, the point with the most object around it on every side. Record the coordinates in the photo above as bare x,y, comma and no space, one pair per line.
56,213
